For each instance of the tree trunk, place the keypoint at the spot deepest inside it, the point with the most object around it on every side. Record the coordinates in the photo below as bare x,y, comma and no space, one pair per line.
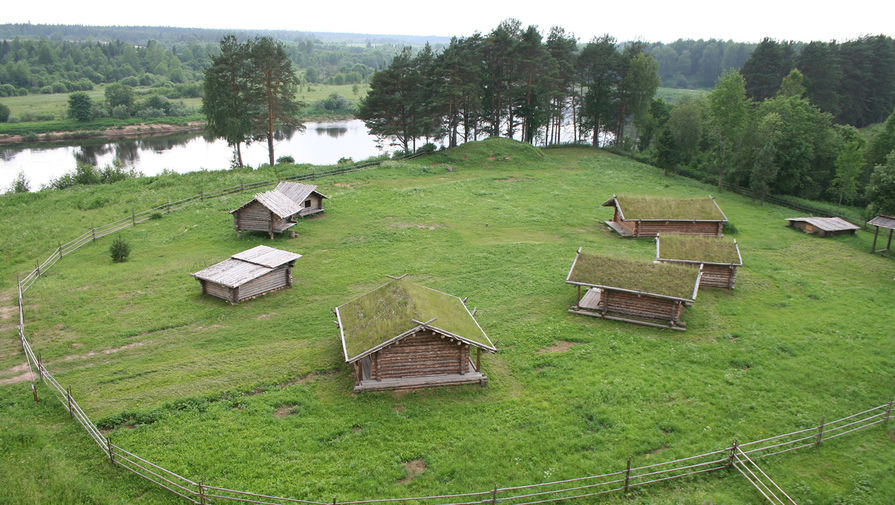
270,120
239,154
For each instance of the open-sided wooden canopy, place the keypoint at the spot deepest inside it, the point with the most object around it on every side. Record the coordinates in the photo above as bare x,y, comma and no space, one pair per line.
882,221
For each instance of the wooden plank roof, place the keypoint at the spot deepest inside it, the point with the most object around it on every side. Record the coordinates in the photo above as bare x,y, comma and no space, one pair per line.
653,279
883,221
399,309
246,266
643,208
297,191
278,203
826,223
692,249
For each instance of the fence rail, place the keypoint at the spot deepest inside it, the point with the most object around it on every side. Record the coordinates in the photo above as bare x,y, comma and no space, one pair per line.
619,481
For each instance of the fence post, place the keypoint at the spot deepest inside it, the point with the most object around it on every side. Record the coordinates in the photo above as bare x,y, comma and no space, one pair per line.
494,495
109,447
34,392
38,269
733,453
628,474
202,500
133,218
59,248
168,207
335,501
820,431
70,411
93,233
888,412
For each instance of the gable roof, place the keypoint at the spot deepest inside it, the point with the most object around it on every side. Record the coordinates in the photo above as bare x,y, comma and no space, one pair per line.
278,203
400,308
642,208
883,221
826,223
297,191
693,249
655,279
246,266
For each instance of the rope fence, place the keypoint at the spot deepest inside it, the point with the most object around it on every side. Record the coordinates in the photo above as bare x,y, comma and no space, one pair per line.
738,456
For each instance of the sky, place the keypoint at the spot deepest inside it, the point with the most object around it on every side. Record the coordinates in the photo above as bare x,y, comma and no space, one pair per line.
647,20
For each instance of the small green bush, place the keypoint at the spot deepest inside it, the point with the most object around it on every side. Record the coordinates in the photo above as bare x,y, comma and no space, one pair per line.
119,250
285,159
730,228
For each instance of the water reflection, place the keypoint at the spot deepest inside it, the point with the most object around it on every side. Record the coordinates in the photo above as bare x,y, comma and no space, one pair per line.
332,131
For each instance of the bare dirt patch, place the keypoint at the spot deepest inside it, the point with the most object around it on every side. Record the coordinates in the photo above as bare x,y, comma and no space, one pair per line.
284,411
404,226
90,354
7,311
414,468
307,378
265,316
20,373
657,450
559,346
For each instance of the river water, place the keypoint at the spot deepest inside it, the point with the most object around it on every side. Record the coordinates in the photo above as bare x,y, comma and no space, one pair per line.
319,144
322,143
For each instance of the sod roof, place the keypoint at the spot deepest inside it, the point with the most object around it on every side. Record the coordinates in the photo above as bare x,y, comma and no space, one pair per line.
390,310
700,249
659,208
653,278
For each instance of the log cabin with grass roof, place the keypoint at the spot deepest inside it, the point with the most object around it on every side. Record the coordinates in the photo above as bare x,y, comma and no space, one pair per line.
403,335
251,273
718,256
651,294
640,216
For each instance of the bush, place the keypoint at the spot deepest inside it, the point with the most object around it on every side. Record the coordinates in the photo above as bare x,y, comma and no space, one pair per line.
4,113
7,90
20,184
285,159
130,81
120,112
60,87
46,90
730,228
119,250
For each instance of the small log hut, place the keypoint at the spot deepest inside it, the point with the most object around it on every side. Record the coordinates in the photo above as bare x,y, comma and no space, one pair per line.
822,226
882,221
718,256
651,294
253,272
636,216
275,211
403,335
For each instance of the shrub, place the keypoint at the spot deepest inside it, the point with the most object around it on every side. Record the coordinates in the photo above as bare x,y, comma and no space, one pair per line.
730,228
285,159
20,184
120,112
4,113
119,250
59,87
7,90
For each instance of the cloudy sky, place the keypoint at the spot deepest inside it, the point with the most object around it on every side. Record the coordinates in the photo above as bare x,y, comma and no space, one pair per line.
649,20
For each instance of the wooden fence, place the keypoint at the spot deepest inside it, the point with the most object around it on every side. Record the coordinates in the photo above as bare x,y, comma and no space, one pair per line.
740,456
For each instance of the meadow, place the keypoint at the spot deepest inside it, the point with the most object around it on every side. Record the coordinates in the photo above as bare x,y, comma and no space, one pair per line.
257,396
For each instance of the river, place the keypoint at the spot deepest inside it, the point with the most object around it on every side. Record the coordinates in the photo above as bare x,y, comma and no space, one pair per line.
319,144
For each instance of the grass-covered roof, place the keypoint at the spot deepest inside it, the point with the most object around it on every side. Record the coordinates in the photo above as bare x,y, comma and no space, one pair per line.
643,207
702,249
389,311
655,278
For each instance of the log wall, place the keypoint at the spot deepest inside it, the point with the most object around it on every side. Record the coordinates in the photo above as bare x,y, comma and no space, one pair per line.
424,354
275,279
718,276
644,306
216,290
651,228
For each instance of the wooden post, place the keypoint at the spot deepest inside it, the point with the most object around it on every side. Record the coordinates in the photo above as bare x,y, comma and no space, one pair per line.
93,233
70,411
875,234
109,450
34,392
478,359
168,207
202,499
38,269
888,412
59,248
494,495
889,244
628,474
733,453
820,432
578,303
335,501
133,218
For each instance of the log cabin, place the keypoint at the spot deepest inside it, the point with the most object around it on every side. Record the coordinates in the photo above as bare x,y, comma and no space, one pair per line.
637,216
275,211
822,226
251,273
403,335
718,256
651,294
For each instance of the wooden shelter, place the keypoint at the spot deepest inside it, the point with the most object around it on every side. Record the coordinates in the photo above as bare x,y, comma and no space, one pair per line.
275,211
652,294
403,335
822,226
637,216
882,221
254,272
719,257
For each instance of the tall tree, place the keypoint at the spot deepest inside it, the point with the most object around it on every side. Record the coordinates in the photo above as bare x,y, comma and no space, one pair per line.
766,68
881,190
764,169
562,49
848,168
226,100
386,109
641,83
273,85
727,108
597,66
80,106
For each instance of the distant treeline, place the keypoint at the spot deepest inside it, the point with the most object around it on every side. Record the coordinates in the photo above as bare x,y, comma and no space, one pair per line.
854,80
696,64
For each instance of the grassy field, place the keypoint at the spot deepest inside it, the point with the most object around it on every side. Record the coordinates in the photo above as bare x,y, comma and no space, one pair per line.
257,396
674,95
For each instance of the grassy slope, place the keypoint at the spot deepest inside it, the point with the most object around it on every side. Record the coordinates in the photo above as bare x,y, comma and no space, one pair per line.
806,333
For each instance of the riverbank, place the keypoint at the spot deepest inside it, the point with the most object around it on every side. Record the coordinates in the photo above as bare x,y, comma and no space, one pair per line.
111,133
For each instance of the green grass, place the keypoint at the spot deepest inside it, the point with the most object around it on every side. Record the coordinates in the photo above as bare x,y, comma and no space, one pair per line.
390,309
655,278
674,95
652,207
195,384
710,249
